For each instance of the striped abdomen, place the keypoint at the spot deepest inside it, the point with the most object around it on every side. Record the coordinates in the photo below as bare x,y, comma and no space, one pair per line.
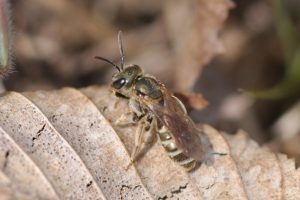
176,154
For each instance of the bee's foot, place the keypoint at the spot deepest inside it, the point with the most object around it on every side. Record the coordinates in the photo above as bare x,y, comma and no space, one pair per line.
124,120
121,120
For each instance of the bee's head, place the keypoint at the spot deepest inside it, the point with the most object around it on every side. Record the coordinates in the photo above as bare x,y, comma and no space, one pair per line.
122,80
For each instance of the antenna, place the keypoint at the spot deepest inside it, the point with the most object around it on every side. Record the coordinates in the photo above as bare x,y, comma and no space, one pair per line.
121,49
108,61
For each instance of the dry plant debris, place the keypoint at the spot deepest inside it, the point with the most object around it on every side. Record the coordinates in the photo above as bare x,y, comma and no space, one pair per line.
52,54
194,45
63,145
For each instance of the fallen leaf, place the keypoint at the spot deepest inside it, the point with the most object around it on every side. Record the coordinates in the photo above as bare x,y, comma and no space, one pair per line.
64,145
192,100
196,40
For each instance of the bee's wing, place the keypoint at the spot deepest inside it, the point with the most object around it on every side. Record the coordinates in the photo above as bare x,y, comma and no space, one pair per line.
187,136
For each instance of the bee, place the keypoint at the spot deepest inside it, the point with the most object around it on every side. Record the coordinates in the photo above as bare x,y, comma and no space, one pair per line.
154,107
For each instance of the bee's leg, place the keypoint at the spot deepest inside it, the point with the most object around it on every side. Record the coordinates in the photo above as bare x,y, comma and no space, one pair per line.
126,119
136,115
138,140
151,129
147,139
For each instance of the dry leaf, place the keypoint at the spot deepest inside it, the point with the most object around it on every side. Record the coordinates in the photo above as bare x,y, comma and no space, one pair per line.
287,132
192,100
63,145
196,40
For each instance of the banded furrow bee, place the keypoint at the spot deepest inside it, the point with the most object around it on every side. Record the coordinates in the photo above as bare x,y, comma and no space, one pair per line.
154,107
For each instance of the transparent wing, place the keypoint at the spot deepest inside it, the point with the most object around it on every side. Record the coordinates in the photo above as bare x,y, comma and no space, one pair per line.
187,136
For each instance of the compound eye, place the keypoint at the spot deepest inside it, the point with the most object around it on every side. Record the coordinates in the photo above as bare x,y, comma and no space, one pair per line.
118,84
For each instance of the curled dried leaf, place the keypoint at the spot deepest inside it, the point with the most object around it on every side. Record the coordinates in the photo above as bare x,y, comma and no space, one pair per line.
64,145
196,40
192,101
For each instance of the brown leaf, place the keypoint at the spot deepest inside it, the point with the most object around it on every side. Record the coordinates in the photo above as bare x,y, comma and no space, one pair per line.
64,145
196,40
191,100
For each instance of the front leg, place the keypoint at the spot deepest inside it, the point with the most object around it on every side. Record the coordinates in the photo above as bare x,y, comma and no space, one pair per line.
137,113
127,119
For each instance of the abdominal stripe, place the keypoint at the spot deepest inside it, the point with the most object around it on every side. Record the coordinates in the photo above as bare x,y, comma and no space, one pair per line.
173,152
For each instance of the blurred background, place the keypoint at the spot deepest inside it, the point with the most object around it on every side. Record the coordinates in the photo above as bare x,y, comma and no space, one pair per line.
242,56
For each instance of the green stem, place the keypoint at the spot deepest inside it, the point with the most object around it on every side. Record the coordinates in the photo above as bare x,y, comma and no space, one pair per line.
5,37
286,31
